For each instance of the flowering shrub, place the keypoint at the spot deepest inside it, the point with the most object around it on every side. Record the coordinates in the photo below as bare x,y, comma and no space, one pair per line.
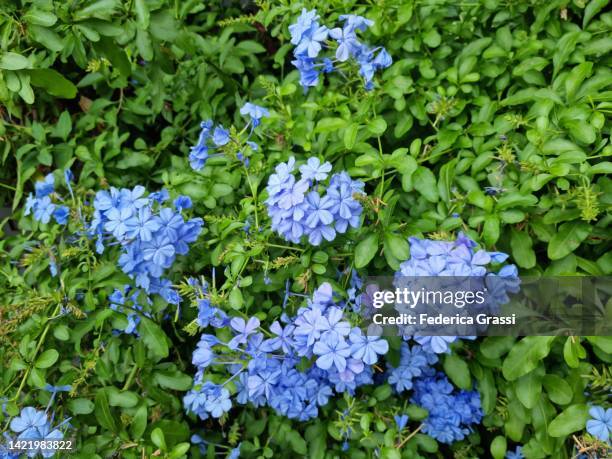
173,287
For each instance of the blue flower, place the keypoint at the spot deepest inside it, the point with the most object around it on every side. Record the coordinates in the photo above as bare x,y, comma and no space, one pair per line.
302,25
56,389
29,418
436,344
401,421
119,221
142,226
234,453
220,136
159,250
356,22
332,349
314,170
347,42
255,112
600,425
43,209
367,348
244,329
61,214
45,187
516,454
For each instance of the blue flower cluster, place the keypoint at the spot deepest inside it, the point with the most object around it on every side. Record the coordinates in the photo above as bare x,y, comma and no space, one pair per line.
415,362
32,424
451,412
265,370
150,234
297,208
215,137
459,259
41,204
310,38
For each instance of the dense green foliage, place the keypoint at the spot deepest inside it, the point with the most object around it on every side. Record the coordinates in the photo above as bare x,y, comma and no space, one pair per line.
493,120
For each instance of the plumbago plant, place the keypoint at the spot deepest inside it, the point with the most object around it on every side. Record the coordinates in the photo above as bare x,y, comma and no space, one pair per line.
193,195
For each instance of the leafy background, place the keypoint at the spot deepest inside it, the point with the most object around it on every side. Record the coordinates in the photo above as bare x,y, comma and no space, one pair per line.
493,119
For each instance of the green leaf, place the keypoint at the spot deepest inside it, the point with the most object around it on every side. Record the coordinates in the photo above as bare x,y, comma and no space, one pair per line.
47,358
63,127
559,391
602,342
499,446
491,229
142,14
529,388
594,7
53,82
174,380
365,250
567,239
525,356
522,251
139,422
425,183
445,182
397,246
103,412
329,125
124,399
573,351
157,437
457,370
153,337
377,126
572,419
516,199
350,135
81,406
39,17
14,61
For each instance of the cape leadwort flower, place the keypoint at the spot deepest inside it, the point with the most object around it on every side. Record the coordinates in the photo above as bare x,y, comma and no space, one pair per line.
451,412
309,38
299,209
215,139
459,259
150,235
41,203
600,424
264,370
33,425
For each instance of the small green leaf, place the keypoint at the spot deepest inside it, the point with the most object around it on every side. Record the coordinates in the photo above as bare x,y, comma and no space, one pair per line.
365,250
157,437
14,61
47,358
425,183
54,82
103,412
525,356
499,446
153,337
567,239
572,419
559,391
522,251
458,371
